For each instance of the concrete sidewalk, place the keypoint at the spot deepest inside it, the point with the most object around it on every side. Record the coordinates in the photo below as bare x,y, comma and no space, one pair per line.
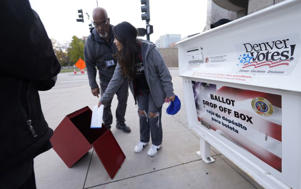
175,166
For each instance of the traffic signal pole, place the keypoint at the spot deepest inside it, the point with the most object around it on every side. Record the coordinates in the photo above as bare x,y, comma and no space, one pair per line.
147,31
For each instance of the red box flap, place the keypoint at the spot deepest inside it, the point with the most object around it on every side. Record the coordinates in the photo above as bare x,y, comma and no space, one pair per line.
69,143
109,152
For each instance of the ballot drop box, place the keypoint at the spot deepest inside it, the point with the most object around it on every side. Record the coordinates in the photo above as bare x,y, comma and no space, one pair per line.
242,93
73,138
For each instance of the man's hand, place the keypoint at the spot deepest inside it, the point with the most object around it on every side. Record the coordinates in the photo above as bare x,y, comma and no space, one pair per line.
95,92
168,99
99,103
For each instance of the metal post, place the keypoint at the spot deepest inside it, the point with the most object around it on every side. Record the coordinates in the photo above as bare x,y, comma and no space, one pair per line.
205,151
147,32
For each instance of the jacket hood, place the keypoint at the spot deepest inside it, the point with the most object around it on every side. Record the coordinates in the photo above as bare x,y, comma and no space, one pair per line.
146,47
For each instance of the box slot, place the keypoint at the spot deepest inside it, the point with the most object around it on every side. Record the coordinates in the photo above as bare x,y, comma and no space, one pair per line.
82,122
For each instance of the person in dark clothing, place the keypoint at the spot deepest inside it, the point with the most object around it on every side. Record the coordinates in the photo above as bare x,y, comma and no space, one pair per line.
28,64
140,63
99,50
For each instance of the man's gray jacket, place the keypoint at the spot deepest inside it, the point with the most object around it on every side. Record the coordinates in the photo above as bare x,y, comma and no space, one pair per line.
156,74
97,52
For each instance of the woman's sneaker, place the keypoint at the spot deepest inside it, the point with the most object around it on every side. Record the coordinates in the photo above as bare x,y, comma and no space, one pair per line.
140,146
153,150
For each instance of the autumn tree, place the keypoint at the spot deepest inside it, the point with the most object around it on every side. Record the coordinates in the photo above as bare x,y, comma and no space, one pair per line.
62,57
61,53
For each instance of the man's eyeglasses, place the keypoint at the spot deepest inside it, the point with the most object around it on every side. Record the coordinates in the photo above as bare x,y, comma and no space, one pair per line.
101,24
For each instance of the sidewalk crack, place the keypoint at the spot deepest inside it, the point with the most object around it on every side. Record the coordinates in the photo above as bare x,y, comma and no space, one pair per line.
88,169
147,173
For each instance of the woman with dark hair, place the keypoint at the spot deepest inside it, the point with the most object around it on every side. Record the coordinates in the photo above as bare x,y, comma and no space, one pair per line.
141,64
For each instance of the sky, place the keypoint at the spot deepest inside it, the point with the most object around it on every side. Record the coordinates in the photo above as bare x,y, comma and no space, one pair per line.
183,17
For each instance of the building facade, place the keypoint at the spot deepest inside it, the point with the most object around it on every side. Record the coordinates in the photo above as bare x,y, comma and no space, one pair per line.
168,40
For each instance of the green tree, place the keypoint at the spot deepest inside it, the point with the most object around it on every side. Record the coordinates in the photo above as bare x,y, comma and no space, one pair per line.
76,49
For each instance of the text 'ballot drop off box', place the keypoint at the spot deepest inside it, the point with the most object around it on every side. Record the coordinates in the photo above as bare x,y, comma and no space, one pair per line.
73,138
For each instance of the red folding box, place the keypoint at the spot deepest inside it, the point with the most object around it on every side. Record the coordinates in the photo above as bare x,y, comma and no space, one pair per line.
73,138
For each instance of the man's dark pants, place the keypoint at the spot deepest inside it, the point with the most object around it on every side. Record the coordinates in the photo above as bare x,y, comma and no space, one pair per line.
122,96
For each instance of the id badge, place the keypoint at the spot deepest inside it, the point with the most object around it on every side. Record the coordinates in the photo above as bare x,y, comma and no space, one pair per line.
110,63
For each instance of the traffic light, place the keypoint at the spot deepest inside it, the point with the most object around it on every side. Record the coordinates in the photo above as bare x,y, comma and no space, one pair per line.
80,16
145,15
91,27
145,10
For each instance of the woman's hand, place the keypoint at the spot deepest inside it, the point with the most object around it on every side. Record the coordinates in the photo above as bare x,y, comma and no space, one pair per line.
168,99
99,103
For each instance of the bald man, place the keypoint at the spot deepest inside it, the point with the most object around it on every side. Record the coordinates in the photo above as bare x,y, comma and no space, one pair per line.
99,51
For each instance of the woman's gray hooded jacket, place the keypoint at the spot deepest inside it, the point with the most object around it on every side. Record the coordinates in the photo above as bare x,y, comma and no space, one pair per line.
156,74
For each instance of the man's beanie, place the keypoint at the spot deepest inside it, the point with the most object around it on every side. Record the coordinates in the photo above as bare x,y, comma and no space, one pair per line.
125,32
